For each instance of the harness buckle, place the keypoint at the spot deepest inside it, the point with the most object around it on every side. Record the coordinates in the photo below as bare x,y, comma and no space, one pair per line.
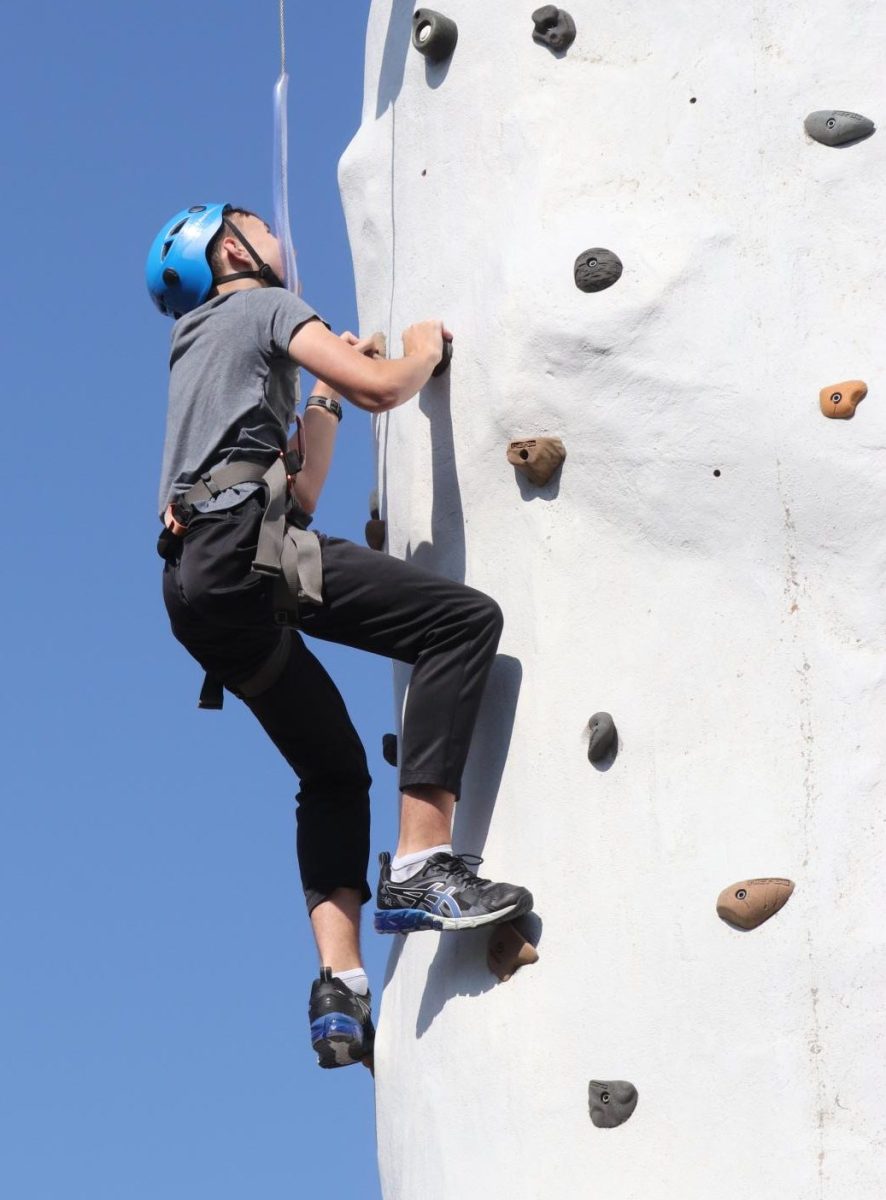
207,482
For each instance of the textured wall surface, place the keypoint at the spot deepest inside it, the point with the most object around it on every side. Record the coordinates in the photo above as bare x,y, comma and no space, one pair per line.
732,623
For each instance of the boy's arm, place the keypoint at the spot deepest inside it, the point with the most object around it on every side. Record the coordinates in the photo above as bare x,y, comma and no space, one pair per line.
320,431
374,384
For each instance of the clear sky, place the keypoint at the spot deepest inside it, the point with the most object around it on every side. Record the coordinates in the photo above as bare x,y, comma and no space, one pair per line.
156,959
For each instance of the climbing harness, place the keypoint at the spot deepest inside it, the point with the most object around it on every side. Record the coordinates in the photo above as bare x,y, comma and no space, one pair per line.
281,164
286,551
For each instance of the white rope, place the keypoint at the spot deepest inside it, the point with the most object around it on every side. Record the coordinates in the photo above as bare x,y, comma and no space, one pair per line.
282,37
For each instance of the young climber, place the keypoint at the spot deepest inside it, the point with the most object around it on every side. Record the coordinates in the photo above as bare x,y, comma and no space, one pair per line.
244,578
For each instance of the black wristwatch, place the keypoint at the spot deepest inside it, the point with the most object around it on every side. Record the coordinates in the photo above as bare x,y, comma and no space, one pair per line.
326,402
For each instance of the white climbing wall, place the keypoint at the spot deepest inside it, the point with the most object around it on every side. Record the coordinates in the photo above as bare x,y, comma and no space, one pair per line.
732,623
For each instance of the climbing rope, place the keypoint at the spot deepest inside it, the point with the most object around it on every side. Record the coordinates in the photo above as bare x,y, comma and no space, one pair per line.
282,37
281,164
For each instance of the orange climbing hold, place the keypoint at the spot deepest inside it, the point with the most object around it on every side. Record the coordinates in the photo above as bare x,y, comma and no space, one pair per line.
842,399
537,458
508,951
750,903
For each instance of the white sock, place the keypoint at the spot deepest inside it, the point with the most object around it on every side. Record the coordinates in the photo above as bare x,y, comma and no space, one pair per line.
410,864
355,979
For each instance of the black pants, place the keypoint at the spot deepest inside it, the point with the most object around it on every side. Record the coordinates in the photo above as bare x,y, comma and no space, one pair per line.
222,613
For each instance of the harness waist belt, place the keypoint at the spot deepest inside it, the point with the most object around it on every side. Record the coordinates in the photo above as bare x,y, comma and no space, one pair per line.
285,551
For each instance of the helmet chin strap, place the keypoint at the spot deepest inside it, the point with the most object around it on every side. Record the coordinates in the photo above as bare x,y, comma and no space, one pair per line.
267,274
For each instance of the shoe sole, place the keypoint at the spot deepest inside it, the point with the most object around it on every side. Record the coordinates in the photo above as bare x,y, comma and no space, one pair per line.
338,1041
413,920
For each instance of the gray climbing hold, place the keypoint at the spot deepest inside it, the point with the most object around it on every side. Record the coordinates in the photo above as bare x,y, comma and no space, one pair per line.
433,35
604,737
553,27
611,1103
833,127
389,748
597,269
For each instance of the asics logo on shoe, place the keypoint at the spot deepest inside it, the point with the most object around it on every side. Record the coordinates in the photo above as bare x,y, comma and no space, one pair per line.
434,898
441,902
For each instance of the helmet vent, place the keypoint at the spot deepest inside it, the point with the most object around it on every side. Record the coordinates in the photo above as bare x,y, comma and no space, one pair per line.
167,246
170,276
177,228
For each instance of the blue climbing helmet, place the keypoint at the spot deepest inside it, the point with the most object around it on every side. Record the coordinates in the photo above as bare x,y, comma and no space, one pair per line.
178,273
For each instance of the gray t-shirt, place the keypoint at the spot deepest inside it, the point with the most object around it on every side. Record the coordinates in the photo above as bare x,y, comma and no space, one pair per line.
233,387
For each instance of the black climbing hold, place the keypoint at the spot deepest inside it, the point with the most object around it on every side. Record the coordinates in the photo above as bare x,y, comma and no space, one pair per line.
375,533
443,364
611,1102
553,27
604,737
433,35
833,127
597,269
389,748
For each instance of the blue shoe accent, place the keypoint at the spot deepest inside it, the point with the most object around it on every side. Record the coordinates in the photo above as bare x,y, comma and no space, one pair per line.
404,920
336,1025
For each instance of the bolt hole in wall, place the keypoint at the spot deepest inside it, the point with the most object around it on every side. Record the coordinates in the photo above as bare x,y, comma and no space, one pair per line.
693,99
717,473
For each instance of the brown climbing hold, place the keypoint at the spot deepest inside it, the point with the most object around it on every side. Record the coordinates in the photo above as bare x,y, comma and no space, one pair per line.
842,399
753,901
375,534
379,345
537,458
508,951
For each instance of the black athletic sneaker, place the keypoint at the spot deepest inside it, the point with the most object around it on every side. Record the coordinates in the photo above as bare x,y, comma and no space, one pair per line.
445,894
342,1032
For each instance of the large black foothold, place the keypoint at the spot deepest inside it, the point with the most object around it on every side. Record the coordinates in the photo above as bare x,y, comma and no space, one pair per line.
443,365
553,27
433,35
389,748
833,127
611,1102
597,269
604,737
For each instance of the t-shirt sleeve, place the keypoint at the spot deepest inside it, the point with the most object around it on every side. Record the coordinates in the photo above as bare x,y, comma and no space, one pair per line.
277,315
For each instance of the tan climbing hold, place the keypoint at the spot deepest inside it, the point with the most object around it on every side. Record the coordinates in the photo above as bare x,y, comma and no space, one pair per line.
380,345
537,458
750,903
376,532
842,399
508,951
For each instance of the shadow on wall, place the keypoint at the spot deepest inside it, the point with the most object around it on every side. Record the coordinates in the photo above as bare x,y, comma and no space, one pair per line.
489,753
445,553
398,45
459,967
393,64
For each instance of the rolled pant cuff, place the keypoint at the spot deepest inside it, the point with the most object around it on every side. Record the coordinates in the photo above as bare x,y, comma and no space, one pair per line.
314,896
408,781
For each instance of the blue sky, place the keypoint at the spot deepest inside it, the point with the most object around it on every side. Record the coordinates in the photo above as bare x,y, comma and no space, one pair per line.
156,957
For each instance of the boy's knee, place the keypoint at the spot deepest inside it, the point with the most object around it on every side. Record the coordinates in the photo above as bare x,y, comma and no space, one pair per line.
495,619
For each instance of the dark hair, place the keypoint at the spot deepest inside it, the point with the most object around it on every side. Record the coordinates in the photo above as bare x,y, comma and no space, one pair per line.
213,250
